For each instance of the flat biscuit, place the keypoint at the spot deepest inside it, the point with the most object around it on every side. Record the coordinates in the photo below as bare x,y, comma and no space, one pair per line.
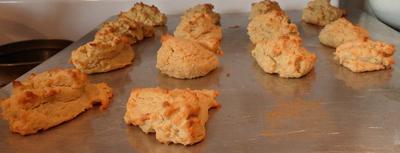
184,59
284,56
363,56
340,32
321,12
202,9
270,26
177,116
263,7
200,28
148,15
103,56
50,98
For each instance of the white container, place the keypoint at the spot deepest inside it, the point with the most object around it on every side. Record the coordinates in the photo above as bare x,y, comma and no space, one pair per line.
388,11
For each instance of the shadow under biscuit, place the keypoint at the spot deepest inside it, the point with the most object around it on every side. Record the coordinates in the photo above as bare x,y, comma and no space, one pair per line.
210,80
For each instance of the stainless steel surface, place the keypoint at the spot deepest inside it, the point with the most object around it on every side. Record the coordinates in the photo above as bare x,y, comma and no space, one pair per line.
330,110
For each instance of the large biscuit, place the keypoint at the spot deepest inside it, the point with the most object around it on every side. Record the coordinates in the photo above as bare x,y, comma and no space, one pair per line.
363,56
148,15
263,7
176,116
184,59
50,98
284,56
321,12
340,32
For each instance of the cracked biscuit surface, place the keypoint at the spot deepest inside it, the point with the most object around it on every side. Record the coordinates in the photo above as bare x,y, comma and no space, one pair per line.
270,26
103,56
184,59
175,116
206,9
321,12
50,98
148,15
200,28
284,56
340,32
263,7
363,56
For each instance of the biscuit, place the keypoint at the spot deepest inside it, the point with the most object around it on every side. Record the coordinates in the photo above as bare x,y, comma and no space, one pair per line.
340,32
50,98
103,56
184,59
200,28
176,116
321,12
284,56
363,56
270,26
202,9
148,15
263,7
124,27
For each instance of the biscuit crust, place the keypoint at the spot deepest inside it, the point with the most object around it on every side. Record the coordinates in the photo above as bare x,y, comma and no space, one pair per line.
321,12
206,9
175,116
50,98
284,56
340,32
146,14
184,59
263,7
270,26
363,56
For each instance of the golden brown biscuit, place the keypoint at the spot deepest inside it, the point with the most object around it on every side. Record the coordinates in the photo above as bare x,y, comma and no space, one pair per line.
103,56
177,116
50,98
263,7
124,27
284,56
340,32
363,56
270,26
184,59
200,28
202,9
148,15
321,12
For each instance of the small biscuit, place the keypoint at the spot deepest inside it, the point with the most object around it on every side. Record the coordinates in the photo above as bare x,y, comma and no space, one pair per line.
148,15
103,56
177,116
340,32
321,12
124,27
50,98
184,59
284,56
202,9
200,28
263,7
363,56
270,26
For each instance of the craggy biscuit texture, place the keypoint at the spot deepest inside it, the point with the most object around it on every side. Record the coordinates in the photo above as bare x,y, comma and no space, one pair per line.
184,59
263,7
284,56
50,98
270,26
148,15
175,116
201,29
103,56
321,12
340,32
363,56
124,27
206,9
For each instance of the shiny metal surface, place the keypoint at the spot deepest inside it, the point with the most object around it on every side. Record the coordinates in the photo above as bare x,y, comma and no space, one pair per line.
330,110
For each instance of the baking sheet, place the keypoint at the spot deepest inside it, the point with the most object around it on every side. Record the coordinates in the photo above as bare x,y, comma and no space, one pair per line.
329,110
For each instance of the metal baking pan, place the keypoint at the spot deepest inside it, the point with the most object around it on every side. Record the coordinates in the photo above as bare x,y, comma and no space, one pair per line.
329,110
